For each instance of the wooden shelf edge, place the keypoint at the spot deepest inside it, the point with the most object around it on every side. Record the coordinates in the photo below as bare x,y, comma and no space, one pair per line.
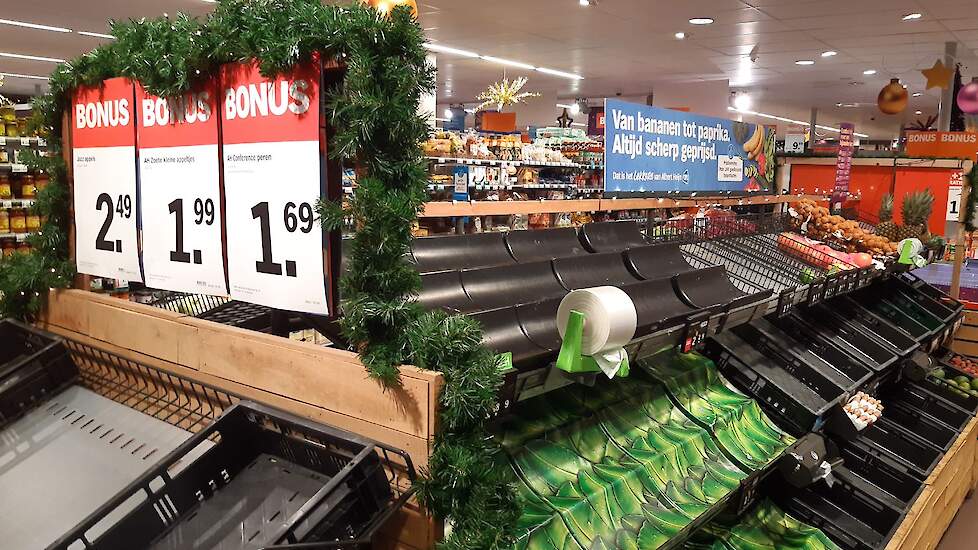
444,209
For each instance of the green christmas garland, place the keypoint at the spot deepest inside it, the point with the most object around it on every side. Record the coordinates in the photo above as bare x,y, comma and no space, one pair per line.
971,205
375,114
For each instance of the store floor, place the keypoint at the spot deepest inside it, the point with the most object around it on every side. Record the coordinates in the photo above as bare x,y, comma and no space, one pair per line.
963,532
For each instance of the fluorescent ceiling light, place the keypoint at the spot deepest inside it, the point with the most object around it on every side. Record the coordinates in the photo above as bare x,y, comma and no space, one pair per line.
701,21
18,75
507,62
31,57
917,94
912,16
439,119
869,72
446,49
805,62
830,53
680,35
33,25
742,102
790,120
95,34
558,73
578,124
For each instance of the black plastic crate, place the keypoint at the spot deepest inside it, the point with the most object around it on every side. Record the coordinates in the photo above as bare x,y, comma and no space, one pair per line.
814,323
942,387
886,443
240,314
266,478
33,365
854,513
902,312
916,397
895,481
874,325
945,310
912,280
801,397
922,426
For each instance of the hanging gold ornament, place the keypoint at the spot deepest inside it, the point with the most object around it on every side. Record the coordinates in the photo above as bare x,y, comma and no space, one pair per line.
938,76
385,6
893,98
505,93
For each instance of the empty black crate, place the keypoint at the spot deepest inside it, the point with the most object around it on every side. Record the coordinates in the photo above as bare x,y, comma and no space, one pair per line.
920,425
816,324
884,331
918,398
267,478
891,479
855,514
885,442
33,365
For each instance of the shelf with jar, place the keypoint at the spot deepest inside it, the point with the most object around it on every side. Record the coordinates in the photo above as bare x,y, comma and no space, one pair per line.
17,220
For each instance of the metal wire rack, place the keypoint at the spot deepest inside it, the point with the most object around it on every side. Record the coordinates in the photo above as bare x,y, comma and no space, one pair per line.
188,304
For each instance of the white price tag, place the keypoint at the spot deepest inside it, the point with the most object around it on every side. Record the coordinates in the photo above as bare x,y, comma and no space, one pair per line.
25,141
18,168
179,181
3,141
104,156
794,143
272,180
954,197
41,142
105,212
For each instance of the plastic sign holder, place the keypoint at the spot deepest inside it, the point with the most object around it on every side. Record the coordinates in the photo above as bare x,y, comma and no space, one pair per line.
571,360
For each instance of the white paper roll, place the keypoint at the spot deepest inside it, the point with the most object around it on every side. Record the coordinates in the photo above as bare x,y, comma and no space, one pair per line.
610,319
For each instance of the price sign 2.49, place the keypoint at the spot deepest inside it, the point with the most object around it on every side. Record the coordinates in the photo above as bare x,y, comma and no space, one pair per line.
123,209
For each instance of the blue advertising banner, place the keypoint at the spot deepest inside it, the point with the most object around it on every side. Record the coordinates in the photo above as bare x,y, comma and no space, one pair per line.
655,150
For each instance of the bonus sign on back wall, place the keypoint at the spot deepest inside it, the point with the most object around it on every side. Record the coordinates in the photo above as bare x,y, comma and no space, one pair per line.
180,191
654,150
272,179
105,192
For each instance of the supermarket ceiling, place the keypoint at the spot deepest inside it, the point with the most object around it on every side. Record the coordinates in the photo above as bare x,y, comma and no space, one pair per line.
626,46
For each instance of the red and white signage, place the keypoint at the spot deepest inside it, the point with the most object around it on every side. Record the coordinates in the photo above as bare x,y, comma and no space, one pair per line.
273,159
105,193
180,191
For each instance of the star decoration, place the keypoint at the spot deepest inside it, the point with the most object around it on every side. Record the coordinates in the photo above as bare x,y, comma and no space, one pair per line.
938,76
505,93
565,120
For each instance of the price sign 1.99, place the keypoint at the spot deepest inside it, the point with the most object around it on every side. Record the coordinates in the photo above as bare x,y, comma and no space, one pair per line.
179,175
272,179
105,194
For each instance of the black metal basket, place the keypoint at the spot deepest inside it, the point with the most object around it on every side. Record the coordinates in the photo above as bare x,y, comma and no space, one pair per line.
33,365
265,479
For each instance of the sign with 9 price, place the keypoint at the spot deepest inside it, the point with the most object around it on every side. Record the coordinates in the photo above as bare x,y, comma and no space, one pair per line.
272,179
105,194
179,174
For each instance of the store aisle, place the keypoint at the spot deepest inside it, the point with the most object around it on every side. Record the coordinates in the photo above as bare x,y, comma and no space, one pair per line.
963,532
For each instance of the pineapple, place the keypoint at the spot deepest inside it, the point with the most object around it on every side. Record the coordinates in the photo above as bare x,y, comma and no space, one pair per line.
886,228
916,211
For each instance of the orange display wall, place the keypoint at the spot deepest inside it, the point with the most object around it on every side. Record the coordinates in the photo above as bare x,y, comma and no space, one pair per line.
872,181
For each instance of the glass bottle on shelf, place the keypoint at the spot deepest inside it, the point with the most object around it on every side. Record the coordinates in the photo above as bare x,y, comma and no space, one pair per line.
6,192
18,220
4,221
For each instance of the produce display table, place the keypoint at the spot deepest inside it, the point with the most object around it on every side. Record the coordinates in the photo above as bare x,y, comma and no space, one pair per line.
955,477
322,384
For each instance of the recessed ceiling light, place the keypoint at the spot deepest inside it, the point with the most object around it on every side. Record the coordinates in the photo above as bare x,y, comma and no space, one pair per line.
31,57
508,62
743,102
449,114
454,51
829,53
918,112
33,25
95,34
912,16
563,74
805,62
680,35
868,72
838,105
918,94
701,21
585,2
18,75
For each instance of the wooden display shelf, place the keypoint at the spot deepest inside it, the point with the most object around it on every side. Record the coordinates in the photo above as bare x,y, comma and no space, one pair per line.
954,478
324,384
444,209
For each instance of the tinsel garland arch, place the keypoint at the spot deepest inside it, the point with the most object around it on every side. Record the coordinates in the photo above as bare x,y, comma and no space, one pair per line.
375,114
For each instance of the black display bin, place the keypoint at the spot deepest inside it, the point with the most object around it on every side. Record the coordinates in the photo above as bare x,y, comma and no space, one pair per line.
268,478
34,364
946,311
801,397
854,513
917,398
942,388
894,481
870,323
913,281
921,426
809,324
241,315
902,312
885,443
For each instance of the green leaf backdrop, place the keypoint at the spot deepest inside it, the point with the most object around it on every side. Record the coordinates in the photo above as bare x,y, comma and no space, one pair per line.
375,113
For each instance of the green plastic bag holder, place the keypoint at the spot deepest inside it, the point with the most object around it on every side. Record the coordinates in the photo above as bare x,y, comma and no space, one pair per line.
570,359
